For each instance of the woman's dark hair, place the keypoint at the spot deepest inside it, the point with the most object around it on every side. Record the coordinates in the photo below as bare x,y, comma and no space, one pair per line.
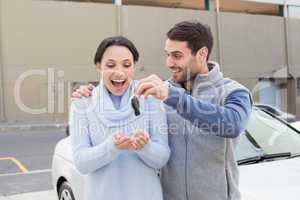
195,34
115,41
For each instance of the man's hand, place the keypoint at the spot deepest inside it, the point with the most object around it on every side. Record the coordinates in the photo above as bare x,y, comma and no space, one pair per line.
83,90
152,85
140,139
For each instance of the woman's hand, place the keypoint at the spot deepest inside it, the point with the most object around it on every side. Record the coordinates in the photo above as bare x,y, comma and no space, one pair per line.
122,141
136,141
140,139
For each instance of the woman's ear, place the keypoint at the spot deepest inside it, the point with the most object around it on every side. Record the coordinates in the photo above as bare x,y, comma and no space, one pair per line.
98,67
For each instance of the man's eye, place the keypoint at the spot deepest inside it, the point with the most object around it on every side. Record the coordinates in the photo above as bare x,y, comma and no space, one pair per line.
177,56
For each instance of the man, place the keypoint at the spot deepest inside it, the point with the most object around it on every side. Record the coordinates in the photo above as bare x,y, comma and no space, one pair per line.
206,114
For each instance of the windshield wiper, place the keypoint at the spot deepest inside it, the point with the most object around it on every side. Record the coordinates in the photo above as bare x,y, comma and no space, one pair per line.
295,155
265,157
250,160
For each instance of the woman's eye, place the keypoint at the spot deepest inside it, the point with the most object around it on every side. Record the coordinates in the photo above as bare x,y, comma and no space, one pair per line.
127,65
110,65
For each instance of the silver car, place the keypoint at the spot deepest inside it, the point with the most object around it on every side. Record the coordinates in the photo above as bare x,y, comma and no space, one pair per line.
268,158
279,113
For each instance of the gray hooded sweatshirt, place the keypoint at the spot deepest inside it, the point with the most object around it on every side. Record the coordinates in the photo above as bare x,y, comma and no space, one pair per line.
204,127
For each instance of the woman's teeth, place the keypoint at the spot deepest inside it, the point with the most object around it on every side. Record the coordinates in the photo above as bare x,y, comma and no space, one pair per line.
118,82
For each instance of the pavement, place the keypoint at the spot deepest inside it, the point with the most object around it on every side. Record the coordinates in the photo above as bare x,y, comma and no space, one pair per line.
44,195
25,161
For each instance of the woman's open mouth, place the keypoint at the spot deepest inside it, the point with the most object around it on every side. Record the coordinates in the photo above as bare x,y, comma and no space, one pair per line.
118,83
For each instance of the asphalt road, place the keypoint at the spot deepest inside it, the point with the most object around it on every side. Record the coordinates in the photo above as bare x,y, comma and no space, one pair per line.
25,160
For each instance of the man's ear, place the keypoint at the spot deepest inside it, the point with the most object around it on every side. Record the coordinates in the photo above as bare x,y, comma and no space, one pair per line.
202,54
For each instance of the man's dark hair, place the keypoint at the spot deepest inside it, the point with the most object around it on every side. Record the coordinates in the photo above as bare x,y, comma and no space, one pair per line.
115,41
195,34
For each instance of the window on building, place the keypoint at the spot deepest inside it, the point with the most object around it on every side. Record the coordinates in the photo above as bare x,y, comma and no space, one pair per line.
251,7
294,11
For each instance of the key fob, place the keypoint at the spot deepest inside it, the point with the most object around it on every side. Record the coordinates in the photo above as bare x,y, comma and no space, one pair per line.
135,105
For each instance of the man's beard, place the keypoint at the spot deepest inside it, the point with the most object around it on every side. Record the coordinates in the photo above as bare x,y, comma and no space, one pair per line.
186,80
189,82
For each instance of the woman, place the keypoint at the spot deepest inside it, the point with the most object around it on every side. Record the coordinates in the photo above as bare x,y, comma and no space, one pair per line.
118,150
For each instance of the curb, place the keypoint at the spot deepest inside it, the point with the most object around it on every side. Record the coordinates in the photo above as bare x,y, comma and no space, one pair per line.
45,195
31,127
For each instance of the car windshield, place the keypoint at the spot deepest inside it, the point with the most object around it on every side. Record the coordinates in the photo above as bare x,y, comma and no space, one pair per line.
270,109
267,135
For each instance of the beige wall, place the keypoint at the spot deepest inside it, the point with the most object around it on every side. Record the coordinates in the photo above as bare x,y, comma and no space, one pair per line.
294,46
149,33
298,106
37,35
293,42
61,37
2,113
253,43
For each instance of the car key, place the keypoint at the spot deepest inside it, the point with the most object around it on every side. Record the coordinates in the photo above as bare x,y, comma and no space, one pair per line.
135,105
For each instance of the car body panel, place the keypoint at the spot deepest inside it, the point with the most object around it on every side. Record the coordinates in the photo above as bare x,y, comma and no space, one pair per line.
62,167
276,180
296,125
